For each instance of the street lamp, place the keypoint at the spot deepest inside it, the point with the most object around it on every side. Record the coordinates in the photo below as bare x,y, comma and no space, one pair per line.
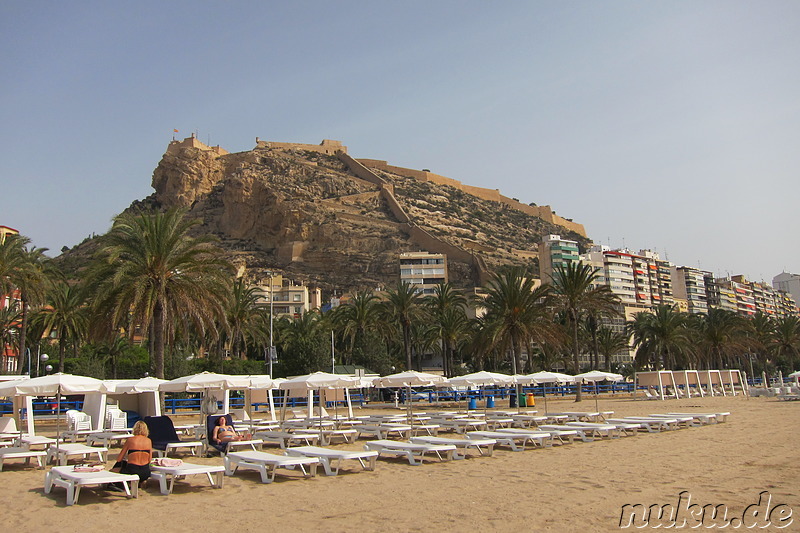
43,358
272,352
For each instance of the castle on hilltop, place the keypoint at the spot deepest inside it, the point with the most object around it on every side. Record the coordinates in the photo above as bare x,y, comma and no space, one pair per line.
333,148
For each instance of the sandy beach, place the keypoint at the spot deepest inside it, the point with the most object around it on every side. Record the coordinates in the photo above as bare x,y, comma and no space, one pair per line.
578,487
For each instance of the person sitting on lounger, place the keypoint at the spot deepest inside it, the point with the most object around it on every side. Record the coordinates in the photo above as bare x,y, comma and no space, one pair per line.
135,456
223,432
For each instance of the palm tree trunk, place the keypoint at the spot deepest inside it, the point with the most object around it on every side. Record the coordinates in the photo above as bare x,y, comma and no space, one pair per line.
158,340
575,358
407,345
62,348
23,334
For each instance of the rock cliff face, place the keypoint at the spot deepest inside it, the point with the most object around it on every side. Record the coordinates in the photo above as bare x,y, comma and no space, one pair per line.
306,214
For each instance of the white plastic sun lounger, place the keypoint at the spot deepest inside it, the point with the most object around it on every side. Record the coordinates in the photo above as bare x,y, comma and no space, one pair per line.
526,421
462,445
191,445
27,441
559,436
460,425
585,434
286,439
706,418
331,460
21,453
167,475
63,452
683,421
515,441
383,431
623,428
67,477
267,464
652,425
104,438
414,452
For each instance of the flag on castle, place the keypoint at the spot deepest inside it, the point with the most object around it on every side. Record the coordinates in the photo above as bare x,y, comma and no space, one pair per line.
176,131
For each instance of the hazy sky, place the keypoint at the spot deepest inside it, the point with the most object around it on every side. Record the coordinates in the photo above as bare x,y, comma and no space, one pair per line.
673,126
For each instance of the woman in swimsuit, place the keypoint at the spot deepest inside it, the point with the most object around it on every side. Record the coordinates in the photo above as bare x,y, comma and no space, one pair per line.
223,432
136,453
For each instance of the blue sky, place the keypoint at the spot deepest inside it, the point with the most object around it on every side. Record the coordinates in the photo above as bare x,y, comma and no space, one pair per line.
673,126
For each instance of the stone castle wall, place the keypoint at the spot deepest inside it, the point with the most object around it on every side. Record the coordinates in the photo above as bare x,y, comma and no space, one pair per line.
193,142
327,146
544,211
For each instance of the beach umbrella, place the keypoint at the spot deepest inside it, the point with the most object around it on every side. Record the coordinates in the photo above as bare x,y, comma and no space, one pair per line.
318,381
794,375
408,379
53,385
133,386
205,382
481,379
594,377
545,377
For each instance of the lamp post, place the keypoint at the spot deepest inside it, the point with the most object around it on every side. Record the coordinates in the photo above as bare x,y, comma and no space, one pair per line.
43,358
271,341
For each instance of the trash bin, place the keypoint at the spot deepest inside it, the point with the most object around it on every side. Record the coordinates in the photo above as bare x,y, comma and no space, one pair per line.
489,402
522,399
512,400
531,401
473,403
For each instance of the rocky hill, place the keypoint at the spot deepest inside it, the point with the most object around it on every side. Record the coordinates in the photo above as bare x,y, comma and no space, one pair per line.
318,215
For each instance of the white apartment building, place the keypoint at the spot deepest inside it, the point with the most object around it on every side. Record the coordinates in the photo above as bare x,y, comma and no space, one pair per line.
288,298
423,270
689,286
554,252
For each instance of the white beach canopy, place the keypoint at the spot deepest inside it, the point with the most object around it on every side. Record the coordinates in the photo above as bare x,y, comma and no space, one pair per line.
408,379
593,377
481,379
205,382
319,381
538,378
134,386
52,385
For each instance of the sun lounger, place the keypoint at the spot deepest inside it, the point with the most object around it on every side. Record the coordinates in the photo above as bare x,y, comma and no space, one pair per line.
21,453
559,436
267,464
652,425
415,453
526,421
327,456
384,431
460,425
705,418
167,475
683,421
62,452
494,423
585,434
286,439
623,428
515,441
28,441
462,445
165,438
225,447
104,438
73,481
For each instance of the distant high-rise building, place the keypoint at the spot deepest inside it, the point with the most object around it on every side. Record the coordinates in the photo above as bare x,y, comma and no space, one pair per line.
690,288
788,283
424,270
555,252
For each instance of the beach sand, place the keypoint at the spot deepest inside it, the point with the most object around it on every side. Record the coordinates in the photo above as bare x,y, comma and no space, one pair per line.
578,487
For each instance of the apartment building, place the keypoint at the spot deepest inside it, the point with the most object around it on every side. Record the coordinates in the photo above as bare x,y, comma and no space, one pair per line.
424,270
287,297
789,284
555,252
689,286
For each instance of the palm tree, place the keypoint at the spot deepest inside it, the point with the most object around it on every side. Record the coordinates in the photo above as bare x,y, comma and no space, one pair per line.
610,342
787,338
152,274
9,322
447,308
403,306
355,319
515,311
22,269
660,336
760,333
65,314
302,343
241,314
719,335
576,295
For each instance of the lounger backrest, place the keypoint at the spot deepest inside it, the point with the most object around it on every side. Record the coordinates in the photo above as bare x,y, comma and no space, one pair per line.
8,424
162,431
